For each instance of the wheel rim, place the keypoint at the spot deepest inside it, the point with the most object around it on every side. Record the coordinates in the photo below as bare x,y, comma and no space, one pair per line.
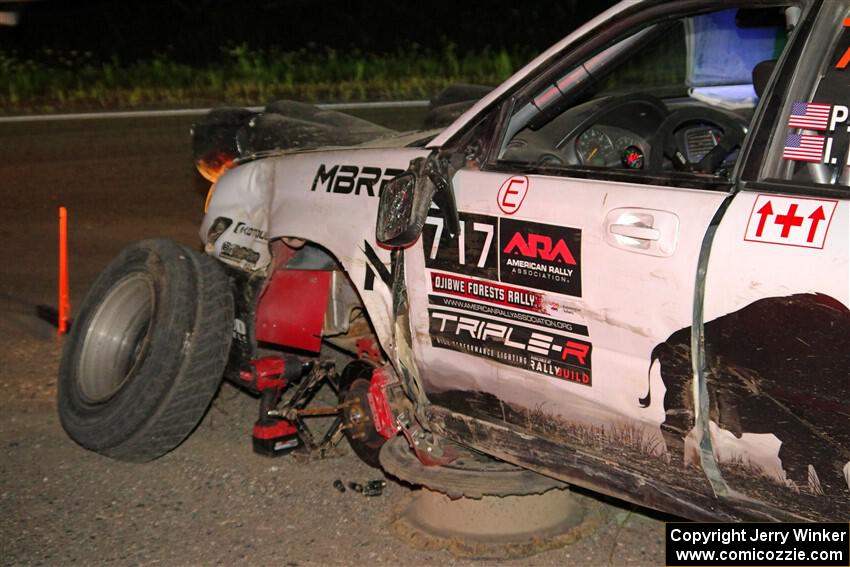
117,338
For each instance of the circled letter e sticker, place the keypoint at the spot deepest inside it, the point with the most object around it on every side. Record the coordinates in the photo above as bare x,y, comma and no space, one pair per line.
512,193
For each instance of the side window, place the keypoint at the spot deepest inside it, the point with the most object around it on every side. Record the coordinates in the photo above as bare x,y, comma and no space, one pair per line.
675,97
810,144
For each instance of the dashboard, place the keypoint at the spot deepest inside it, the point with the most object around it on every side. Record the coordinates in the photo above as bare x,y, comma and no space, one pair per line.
610,146
617,133
604,132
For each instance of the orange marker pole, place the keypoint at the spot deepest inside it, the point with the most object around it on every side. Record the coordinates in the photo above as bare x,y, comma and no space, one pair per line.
64,302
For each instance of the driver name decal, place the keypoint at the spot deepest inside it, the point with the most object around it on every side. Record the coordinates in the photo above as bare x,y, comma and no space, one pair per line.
817,116
806,117
548,353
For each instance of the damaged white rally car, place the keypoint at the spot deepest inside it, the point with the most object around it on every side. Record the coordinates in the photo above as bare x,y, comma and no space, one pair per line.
625,268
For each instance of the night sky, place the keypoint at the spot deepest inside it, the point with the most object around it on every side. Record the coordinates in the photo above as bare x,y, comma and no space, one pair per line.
194,31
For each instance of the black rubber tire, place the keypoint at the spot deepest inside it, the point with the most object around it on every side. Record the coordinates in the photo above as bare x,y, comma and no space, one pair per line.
354,382
174,365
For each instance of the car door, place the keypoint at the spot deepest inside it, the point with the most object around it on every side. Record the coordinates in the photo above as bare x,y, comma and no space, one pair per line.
581,237
776,323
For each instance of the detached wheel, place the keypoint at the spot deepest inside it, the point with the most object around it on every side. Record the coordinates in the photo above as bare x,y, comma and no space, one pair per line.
146,352
357,415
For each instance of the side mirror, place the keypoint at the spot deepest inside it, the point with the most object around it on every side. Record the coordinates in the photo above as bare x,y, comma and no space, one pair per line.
405,201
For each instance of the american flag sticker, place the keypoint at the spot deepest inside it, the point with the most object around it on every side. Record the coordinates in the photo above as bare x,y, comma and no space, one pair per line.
809,115
803,147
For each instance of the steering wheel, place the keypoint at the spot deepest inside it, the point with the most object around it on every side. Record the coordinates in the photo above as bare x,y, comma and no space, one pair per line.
665,144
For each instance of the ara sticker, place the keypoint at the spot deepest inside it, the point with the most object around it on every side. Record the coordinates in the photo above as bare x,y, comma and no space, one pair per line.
540,256
791,221
529,254
512,193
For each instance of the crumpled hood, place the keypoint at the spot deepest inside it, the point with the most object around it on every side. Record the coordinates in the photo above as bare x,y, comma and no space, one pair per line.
227,136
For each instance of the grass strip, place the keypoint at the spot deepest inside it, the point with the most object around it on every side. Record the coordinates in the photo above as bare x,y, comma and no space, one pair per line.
54,80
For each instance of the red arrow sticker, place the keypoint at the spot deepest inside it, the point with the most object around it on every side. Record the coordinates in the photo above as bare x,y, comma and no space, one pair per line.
764,213
792,221
512,193
815,217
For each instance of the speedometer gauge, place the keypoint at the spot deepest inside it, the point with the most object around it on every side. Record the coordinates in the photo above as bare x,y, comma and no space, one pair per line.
594,147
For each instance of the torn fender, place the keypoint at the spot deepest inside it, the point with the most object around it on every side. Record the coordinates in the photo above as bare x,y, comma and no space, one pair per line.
326,197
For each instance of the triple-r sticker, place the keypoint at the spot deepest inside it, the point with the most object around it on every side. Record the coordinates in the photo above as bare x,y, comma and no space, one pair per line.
791,221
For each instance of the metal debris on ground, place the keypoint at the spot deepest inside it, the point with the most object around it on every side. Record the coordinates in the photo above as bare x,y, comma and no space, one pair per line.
374,488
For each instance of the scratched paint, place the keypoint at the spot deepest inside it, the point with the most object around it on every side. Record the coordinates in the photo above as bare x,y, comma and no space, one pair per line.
778,368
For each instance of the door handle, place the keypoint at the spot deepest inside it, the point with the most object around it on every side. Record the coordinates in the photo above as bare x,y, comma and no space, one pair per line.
636,231
642,231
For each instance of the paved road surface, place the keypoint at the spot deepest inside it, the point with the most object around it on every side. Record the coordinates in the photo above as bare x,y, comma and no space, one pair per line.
211,501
